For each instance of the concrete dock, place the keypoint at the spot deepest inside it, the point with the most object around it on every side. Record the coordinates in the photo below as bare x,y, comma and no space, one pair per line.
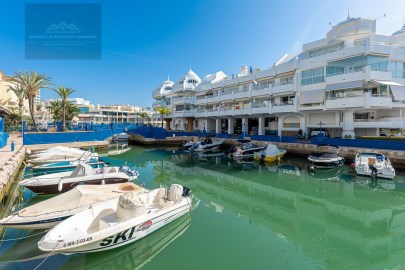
11,163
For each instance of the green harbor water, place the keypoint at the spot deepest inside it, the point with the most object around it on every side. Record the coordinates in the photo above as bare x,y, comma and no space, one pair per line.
246,216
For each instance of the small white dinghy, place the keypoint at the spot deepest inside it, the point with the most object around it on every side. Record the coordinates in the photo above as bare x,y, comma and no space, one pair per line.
62,156
104,227
83,174
48,213
122,137
57,150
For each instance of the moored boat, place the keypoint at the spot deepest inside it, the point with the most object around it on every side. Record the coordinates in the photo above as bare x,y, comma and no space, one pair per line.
208,145
83,174
245,148
64,166
374,165
271,154
86,156
48,213
122,137
132,218
326,156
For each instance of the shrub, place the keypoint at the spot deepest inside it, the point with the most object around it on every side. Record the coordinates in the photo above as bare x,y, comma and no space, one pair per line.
381,138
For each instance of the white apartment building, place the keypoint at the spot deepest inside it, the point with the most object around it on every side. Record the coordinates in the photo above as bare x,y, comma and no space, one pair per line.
352,83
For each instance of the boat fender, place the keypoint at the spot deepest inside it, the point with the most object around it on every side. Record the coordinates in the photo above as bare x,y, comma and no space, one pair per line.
60,185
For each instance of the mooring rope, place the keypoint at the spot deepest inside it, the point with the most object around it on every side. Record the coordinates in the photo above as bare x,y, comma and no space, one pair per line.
47,256
14,239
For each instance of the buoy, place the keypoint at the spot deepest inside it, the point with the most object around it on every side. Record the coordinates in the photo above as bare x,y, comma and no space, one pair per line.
353,165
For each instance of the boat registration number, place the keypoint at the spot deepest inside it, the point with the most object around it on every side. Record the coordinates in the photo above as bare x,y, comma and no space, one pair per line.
78,241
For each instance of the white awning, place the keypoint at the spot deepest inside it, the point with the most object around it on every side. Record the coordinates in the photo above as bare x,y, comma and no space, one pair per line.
312,97
345,85
398,92
387,83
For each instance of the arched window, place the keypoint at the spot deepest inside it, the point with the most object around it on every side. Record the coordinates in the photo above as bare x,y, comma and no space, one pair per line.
291,122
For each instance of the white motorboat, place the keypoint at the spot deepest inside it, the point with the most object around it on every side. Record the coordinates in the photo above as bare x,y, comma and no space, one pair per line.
122,137
374,165
245,148
61,157
326,156
103,227
271,154
83,174
48,213
57,150
208,145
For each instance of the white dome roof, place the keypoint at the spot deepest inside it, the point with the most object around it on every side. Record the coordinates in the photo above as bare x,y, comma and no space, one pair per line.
163,89
210,79
188,82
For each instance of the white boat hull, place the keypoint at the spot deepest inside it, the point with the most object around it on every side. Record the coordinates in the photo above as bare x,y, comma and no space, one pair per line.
108,238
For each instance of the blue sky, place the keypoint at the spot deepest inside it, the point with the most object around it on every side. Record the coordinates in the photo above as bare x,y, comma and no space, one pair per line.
145,41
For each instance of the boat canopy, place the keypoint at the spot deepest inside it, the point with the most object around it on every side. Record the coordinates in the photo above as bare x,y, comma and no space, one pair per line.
272,150
80,196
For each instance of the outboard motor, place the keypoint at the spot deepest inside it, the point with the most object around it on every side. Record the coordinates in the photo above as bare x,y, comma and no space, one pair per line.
128,171
186,191
374,172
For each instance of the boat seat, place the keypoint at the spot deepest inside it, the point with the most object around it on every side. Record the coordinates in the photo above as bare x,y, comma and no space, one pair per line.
108,221
95,224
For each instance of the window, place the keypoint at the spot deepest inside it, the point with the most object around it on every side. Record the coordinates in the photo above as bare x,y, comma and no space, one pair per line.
333,71
192,81
378,63
168,88
285,81
312,76
181,82
398,69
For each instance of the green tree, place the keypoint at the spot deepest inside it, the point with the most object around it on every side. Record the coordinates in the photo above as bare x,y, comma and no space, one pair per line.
14,118
32,82
55,108
162,111
143,115
64,93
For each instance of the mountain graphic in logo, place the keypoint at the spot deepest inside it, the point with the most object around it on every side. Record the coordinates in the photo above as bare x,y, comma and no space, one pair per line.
63,28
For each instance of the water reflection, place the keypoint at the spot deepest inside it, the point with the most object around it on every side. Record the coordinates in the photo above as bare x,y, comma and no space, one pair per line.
329,213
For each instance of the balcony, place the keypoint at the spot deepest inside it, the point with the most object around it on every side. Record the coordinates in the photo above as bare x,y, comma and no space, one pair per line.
212,112
348,100
224,112
212,99
260,109
184,113
241,111
284,107
378,101
226,96
183,100
201,113
159,104
201,100
242,94
261,92
350,76
378,74
312,106
386,122
283,88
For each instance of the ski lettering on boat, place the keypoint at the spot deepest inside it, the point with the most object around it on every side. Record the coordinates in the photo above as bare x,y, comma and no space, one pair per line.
125,235
78,241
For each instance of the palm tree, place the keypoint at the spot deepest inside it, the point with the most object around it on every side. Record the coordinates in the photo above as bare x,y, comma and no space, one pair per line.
20,92
143,115
32,82
64,93
162,111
